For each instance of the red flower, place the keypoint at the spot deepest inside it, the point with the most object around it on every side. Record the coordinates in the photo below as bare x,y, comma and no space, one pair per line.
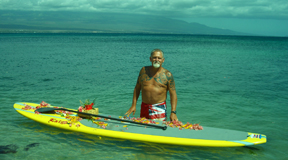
88,107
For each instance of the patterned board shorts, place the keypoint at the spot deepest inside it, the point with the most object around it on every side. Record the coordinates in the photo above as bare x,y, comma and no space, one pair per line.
154,111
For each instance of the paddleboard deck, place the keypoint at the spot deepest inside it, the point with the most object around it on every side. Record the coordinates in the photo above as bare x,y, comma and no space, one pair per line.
208,137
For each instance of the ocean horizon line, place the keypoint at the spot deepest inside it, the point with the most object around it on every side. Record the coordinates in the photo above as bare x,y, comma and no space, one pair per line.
117,32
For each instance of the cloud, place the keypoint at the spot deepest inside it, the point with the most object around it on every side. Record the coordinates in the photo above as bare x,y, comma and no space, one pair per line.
273,9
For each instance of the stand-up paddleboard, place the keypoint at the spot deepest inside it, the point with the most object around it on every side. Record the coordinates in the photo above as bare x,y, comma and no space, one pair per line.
112,126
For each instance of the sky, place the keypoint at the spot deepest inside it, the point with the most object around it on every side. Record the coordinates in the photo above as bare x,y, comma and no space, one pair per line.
262,17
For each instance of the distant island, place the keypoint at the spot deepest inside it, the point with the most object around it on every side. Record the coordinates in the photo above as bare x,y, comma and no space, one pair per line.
96,22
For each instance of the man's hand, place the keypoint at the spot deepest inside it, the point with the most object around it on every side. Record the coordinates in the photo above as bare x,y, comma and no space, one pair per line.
132,109
173,117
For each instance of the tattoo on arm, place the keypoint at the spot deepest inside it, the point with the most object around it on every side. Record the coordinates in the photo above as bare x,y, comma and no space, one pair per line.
171,82
143,75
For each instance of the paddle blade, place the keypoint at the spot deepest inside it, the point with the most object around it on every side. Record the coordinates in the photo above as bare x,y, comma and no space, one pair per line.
46,110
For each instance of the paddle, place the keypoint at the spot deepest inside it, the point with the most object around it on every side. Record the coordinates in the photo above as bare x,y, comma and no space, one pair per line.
47,110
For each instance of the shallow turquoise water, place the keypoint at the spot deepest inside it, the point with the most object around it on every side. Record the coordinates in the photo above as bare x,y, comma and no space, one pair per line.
237,83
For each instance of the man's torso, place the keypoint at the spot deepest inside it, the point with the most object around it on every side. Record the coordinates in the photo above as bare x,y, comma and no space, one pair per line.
153,85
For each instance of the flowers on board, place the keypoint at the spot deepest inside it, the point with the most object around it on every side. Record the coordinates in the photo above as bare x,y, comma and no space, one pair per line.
101,124
73,120
173,124
80,109
28,107
140,120
87,105
41,105
181,126
63,113
44,104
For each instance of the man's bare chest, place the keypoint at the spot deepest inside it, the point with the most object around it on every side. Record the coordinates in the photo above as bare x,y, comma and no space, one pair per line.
159,80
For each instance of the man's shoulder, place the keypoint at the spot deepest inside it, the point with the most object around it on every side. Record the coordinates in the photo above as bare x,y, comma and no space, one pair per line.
145,68
167,72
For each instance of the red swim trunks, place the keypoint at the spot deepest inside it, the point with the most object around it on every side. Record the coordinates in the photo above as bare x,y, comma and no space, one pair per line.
154,111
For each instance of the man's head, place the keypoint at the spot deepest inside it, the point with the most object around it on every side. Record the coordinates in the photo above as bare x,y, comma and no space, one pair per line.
157,58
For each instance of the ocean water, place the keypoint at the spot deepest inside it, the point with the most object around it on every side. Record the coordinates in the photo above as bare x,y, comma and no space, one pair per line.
231,82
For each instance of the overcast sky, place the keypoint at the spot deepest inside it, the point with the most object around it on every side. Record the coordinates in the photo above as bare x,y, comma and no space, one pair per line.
264,17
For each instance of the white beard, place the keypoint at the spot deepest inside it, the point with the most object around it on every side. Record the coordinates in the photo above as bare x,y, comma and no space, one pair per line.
156,64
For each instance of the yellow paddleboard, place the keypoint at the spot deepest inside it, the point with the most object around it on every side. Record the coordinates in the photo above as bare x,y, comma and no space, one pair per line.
208,137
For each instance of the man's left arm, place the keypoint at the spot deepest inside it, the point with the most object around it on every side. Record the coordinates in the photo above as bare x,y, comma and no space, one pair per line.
173,95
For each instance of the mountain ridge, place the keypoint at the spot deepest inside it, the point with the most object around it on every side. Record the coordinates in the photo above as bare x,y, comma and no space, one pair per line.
96,22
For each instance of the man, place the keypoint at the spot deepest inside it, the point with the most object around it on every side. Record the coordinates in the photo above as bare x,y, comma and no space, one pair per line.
155,81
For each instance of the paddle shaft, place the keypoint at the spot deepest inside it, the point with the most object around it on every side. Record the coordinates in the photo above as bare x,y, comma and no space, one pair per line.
43,110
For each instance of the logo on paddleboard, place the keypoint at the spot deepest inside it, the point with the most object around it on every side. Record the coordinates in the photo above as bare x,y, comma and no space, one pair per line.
255,136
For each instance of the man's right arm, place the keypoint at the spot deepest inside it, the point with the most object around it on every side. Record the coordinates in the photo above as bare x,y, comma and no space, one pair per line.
136,94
